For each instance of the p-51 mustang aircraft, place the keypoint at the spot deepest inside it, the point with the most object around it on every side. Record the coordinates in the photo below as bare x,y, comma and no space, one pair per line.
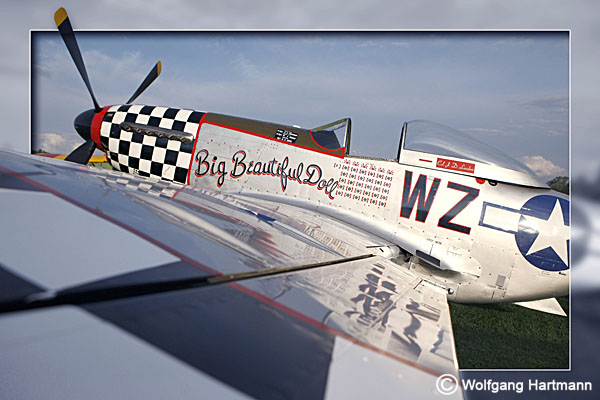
228,257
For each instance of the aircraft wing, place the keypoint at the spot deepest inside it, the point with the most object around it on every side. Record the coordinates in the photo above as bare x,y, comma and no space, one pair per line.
113,286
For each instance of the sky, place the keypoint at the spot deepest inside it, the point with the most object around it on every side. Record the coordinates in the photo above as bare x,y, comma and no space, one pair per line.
509,89
437,79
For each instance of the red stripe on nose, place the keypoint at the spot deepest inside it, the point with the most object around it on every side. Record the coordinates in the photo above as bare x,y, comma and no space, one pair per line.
96,124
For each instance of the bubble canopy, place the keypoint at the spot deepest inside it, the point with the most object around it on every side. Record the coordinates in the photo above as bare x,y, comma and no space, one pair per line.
431,137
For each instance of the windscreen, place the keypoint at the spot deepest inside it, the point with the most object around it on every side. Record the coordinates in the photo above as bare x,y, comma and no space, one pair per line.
332,136
434,138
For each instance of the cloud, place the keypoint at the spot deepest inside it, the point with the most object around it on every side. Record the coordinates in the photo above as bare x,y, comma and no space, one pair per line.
550,127
552,104
513,40
54,143
378,43
369,43
556,132
490,131
542,167
107,65
319,40
546,121
246,67
43,70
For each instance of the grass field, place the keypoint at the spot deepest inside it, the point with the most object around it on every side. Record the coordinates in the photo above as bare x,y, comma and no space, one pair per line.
506,336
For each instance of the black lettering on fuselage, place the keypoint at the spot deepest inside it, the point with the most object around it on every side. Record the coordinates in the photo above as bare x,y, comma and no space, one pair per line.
419,192
203,165
444,222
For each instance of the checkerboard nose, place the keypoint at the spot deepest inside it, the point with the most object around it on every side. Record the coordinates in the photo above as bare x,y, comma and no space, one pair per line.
83,124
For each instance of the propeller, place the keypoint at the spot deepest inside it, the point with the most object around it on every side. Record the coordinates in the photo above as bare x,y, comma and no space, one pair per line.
152,75
83,122
66,32
83,153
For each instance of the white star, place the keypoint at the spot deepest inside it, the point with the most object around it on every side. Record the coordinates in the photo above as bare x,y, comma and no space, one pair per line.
551,233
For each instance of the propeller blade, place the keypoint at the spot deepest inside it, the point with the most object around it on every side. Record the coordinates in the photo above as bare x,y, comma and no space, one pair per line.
152,75
66,31
83,153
